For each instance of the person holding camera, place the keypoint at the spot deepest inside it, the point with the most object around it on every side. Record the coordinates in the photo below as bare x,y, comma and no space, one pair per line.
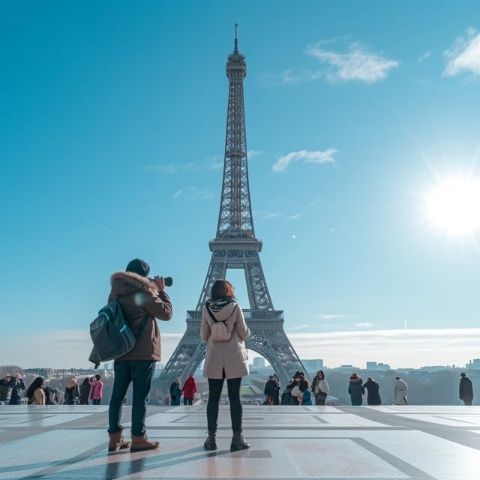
224,330
142,300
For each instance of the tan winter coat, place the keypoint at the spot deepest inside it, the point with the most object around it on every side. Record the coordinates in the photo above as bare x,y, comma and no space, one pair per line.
230,356
139,296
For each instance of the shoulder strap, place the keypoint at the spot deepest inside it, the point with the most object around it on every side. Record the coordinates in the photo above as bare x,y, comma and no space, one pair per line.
211,314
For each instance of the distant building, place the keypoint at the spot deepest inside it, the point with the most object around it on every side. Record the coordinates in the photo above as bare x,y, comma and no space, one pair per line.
474,364
106,366
313,365
378,367
347,368
259,363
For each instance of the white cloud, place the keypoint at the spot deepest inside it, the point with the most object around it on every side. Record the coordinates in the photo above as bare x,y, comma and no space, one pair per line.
399,348
464,55
356,63
303,326
424,56
363,325
271,215
304,156
295,216
332,316
254,153
192,194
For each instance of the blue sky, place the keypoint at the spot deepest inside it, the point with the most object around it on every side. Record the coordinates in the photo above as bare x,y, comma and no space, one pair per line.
113,125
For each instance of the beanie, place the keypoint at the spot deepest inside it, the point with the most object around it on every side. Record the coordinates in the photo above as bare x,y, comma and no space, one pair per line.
139,267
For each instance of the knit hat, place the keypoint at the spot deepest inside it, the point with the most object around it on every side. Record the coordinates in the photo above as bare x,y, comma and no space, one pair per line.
139,267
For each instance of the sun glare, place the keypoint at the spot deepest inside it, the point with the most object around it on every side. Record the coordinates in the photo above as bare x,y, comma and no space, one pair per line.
453,205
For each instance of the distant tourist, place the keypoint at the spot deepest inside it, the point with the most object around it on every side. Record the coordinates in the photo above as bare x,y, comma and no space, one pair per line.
373,392
72,392
18,388
85,391
401,392
356,390
320,388
296,388
142,300
224,329
466,389
175,392
189,390
287,393
6,385
306,397
51,396
36,393
272,391
293,389
96,390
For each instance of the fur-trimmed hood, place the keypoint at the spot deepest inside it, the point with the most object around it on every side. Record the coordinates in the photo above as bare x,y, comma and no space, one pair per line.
128,283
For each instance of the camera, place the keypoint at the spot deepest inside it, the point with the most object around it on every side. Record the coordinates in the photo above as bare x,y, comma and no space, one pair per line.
167,280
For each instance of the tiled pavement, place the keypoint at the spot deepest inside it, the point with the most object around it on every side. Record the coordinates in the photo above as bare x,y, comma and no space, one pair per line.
379,443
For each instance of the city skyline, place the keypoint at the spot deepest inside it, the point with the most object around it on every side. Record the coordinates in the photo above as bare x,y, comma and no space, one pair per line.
356,126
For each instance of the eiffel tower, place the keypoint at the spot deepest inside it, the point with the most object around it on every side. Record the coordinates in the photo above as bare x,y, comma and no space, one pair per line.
236,247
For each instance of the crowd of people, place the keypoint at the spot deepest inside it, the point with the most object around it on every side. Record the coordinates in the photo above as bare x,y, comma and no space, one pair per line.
300,392
12,391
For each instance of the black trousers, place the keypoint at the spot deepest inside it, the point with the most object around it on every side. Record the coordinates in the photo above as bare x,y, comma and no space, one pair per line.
187,401
215,387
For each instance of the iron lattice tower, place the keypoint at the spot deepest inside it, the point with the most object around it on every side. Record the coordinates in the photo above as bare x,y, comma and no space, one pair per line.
236,247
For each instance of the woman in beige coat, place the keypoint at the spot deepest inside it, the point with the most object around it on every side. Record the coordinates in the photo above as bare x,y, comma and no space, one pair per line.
36,393
226,358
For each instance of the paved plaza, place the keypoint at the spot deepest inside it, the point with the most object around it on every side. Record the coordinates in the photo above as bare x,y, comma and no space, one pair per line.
414,442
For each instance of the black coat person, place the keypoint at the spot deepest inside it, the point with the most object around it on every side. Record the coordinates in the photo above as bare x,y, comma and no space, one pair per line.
356,390
373,392
466,389
18,388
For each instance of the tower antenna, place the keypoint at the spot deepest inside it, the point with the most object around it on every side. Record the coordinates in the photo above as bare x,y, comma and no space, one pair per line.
236,39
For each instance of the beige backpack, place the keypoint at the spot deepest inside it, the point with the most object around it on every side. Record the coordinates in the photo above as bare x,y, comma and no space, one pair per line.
220,331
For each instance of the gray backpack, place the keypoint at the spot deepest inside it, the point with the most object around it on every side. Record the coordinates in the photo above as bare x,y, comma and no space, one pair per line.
112,335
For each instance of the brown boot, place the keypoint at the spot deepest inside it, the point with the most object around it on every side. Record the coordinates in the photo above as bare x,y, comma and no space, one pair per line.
142,443
117,442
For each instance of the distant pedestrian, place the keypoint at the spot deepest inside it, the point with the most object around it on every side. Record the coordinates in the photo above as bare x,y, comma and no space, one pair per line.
175,392
373,392
466,389
72,392
224,330
269,389
18,388
85,391
401,392
306,397
36,393
189,390
276,390
356,390
6,385
320,388
295,388
96,390
51,396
